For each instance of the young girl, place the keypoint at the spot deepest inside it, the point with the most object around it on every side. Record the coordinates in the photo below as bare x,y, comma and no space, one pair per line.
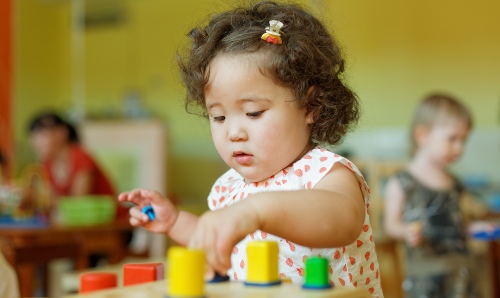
271,96
425,203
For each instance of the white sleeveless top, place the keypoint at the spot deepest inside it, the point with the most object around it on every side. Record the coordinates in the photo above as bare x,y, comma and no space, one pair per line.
354,265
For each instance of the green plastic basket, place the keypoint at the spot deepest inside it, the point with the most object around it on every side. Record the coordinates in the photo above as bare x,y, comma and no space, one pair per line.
86,210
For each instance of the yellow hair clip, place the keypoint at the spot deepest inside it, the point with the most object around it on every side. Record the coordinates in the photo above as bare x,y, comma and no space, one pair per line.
272,34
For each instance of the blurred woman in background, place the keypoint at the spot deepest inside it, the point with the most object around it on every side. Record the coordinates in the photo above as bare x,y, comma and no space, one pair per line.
71,170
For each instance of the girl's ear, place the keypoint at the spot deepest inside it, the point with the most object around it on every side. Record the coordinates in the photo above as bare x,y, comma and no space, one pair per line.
310,117
310,114
420,134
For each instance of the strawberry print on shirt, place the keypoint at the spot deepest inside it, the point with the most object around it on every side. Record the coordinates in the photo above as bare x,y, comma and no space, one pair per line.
354,265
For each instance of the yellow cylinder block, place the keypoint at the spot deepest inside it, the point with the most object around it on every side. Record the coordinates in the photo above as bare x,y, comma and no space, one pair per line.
186,269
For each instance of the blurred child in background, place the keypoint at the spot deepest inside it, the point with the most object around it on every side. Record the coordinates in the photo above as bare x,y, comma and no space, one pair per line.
427,207
70,168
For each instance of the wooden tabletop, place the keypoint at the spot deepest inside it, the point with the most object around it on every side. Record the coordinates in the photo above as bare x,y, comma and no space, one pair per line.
27,247
229,290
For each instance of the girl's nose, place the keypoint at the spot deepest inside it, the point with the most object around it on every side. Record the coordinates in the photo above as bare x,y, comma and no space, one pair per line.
236,133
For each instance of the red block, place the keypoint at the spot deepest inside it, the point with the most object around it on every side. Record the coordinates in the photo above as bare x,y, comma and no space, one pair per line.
90,282
141,273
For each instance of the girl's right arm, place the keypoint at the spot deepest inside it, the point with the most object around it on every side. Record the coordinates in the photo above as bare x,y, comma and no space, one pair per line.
393,216
178,225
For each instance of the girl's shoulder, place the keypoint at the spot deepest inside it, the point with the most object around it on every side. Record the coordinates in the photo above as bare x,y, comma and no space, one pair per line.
320,160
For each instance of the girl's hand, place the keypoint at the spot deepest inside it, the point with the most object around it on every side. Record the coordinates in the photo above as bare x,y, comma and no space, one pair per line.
217,232
165,212
413,234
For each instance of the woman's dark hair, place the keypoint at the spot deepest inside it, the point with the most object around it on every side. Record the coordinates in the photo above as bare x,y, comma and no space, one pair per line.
51,120
309,62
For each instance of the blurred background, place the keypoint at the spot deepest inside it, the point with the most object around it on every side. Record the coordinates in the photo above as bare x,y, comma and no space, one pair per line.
109,66
115,59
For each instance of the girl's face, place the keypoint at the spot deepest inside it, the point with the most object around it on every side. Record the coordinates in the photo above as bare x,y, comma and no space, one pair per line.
256,126
444,142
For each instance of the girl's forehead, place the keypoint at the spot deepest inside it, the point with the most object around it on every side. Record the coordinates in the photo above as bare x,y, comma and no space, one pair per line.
254,58
225,68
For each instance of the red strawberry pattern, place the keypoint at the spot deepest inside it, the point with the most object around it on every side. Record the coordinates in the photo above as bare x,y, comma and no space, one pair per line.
300,271
347,264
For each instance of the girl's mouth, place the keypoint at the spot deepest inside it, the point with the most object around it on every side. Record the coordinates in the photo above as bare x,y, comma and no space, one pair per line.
242,158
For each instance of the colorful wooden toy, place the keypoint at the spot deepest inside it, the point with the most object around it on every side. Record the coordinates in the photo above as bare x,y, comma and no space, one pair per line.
141,273
148,210
186,270
95,281
316,274
262,263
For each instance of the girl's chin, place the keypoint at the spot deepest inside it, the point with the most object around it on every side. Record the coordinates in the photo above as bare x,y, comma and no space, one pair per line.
252,178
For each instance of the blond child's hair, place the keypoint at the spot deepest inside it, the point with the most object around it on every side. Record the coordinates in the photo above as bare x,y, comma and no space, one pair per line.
436,108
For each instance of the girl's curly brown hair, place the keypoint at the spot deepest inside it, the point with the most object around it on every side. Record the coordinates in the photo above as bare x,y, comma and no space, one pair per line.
309,62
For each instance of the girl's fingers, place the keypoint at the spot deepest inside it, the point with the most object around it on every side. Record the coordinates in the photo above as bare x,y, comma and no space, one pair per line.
123,197
135,196
153,196
209,273
215,258
134,222
219,258
135,212
199,241
225,262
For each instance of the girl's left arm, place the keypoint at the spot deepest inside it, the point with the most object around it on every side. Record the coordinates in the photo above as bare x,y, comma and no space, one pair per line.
330,215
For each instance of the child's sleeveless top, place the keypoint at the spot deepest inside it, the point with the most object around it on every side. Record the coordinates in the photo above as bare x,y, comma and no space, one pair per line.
354,265
439,213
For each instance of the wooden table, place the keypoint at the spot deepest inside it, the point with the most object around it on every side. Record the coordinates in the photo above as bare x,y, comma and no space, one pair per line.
229,290
494,251
26,248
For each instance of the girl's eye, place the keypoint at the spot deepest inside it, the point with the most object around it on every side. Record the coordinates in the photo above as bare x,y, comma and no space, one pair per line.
255,114
219,118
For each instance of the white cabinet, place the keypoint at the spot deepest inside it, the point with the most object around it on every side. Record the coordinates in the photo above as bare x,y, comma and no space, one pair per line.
133,155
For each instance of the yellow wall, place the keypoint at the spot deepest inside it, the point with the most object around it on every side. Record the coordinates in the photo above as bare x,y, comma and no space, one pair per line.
396,52
41,77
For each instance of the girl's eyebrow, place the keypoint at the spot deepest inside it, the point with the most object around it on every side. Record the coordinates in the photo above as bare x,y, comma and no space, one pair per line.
239,102
213,105
245,100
